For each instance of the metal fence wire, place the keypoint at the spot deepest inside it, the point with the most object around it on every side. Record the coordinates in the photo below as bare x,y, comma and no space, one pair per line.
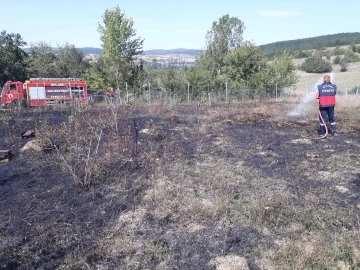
189,95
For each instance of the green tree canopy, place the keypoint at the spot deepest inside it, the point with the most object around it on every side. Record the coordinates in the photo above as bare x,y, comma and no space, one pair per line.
47,62
225,35
315,64
97,75
243,62
277,75
12,57
42,61
119,44
70,61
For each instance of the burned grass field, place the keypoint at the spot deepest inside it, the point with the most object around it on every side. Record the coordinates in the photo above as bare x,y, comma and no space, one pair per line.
220,187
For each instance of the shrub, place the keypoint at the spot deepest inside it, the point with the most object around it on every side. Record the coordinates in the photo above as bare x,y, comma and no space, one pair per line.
353,47
338,51
89,146
336,60
301,54
351,57
316,64
344,64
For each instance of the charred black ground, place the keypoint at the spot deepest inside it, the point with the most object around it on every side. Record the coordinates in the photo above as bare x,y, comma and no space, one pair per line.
214,184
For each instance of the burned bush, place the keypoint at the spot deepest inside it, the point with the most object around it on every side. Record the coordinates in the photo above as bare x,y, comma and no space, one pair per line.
90,149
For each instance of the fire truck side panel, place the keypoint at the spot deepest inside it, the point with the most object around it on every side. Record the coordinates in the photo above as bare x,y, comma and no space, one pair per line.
45,91
55,92
36,95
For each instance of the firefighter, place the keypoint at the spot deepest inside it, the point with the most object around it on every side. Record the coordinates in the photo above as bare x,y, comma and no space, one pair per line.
326,95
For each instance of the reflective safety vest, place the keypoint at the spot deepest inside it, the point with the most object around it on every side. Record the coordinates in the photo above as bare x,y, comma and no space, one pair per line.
327,92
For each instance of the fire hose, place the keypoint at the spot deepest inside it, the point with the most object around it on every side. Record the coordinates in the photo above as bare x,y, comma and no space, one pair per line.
321,137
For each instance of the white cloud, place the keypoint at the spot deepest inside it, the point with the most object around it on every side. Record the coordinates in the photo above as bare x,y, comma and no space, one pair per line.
278,13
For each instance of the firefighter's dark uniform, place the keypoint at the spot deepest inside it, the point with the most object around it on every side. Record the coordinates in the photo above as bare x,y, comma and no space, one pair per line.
327,92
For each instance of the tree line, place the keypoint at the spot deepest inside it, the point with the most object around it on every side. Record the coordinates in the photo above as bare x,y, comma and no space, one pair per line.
227,59
294,47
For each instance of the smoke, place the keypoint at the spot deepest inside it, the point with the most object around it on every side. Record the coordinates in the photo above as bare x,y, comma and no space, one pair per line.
310,96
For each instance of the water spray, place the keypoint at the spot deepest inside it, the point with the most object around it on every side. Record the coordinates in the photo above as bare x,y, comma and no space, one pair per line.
297,111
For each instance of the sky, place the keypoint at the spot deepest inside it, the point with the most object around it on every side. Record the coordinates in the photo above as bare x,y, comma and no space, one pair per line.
177,24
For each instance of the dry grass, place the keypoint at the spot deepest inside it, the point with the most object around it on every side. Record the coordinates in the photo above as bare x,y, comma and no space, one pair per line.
347,111
348,79
229,194
229,187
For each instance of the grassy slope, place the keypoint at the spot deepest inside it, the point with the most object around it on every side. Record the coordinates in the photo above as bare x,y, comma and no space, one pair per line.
343,80
311,43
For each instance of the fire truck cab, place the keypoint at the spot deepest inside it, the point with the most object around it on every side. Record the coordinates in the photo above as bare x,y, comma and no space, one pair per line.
12,93
44,92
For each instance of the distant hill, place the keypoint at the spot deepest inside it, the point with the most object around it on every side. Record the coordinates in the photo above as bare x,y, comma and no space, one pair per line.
173,51
85,50
93,50
311,43
271,49
90,50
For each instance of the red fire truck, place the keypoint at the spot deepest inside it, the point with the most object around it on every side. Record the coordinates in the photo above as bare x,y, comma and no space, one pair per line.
44,91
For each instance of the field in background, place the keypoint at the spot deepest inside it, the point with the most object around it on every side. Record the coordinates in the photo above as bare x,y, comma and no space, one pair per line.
343,80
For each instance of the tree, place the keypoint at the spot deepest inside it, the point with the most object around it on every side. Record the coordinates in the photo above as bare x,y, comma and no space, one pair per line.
243,62
70,62
42,61
351,57
198,80
97,75
353,47
47,62
225,35
316,64
173,79
336,60
119,44
338,51
12,57
301,54
275,76
281,71
320,42
344,64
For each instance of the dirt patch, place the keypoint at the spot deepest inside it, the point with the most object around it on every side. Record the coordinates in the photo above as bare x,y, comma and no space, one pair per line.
230,262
